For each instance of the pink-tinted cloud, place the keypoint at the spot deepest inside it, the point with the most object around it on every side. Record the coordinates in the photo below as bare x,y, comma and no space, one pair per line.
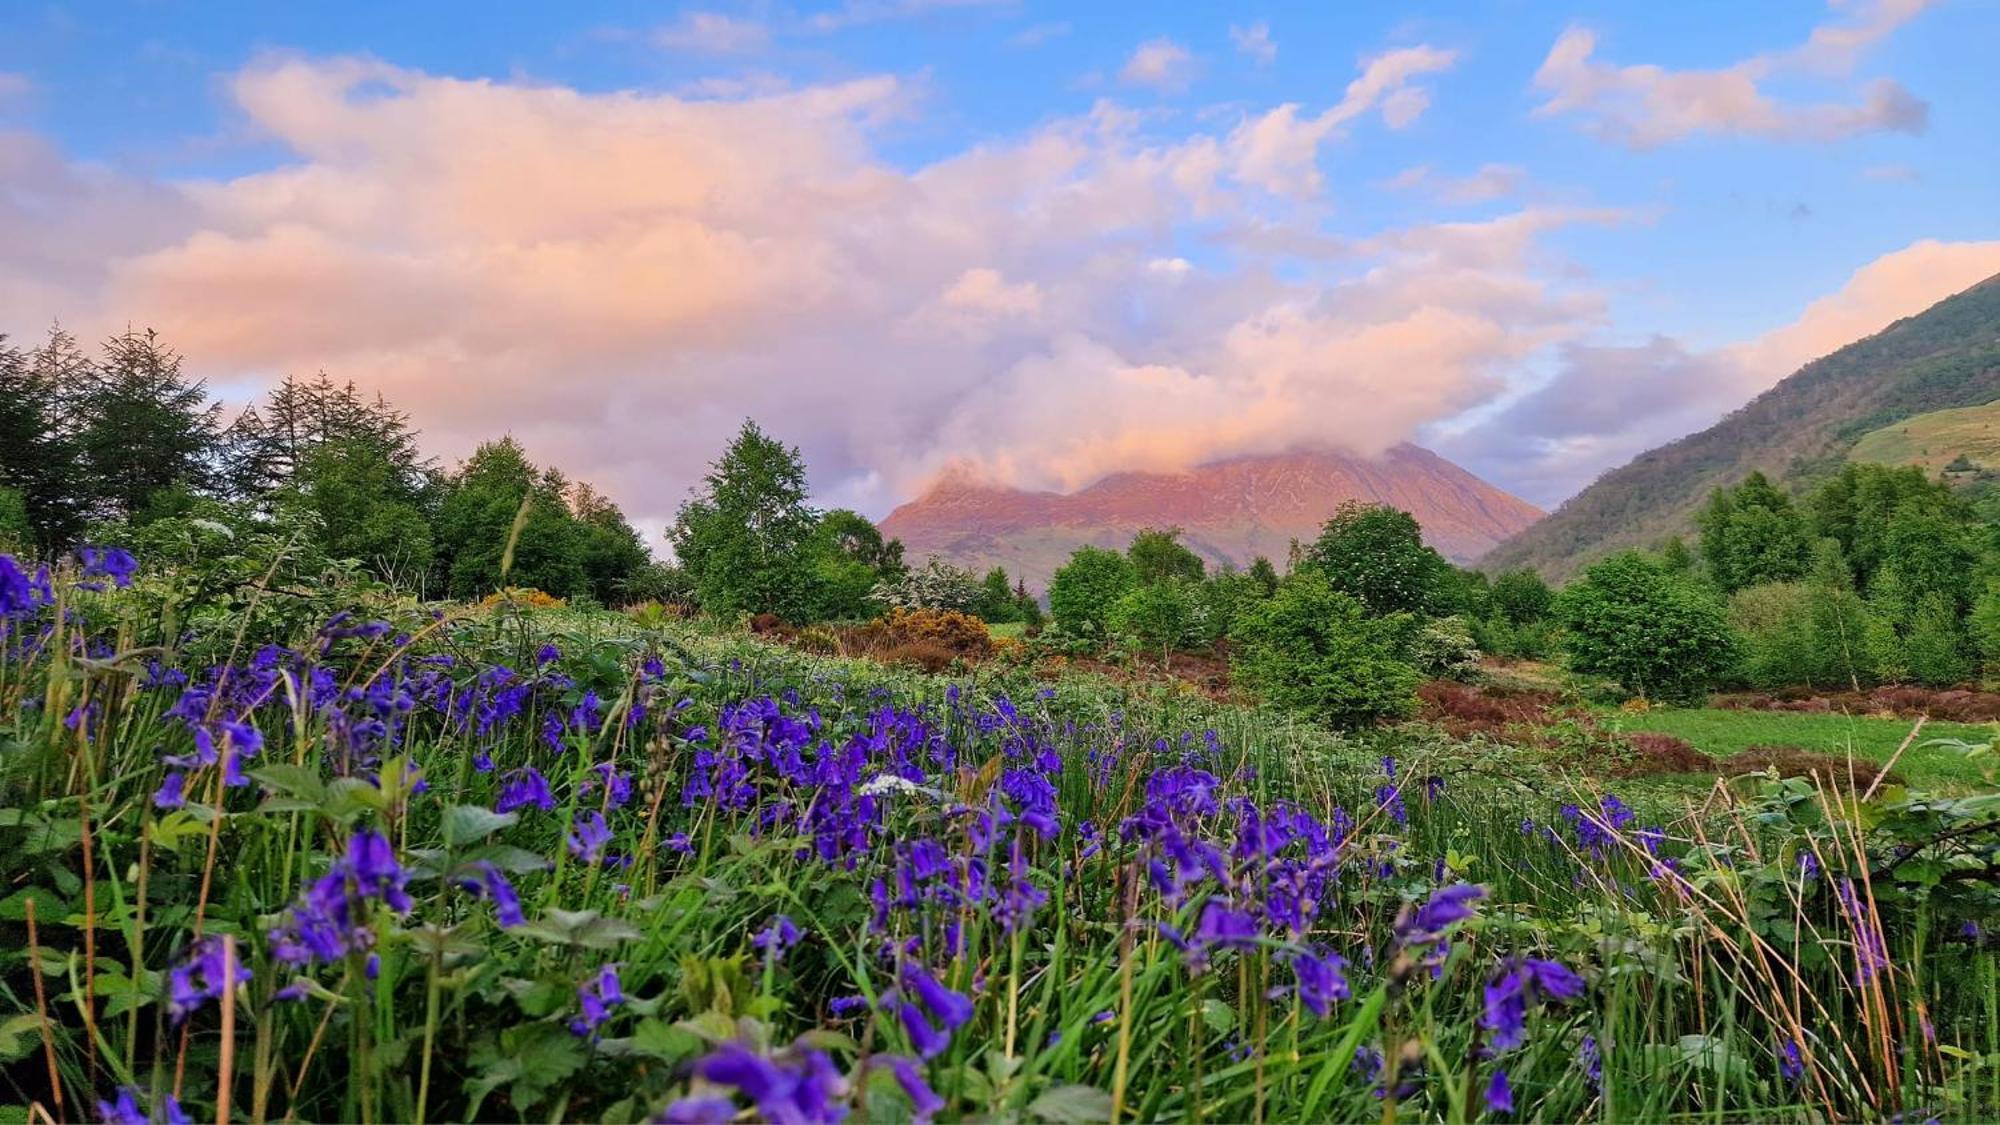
713,33
1609,403
1644,106
1159,63
620,278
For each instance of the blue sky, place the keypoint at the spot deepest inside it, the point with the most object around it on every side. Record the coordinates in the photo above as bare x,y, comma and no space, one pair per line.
1701,177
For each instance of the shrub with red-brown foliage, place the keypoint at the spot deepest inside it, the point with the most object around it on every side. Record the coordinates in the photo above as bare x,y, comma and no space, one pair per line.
1957,705
1794,761
1655,753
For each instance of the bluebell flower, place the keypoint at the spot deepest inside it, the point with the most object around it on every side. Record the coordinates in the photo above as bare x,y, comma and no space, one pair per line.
778,935
486,881
595,998
1499,1093
1321,980
1446,907
114,563
524,787
1791,1062
588,835
803,1089
1522,982
924,1101
206,973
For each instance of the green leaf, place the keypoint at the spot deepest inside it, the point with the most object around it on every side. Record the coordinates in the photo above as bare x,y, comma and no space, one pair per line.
469,824
19,1036
1071,1103
293,781
1220,1017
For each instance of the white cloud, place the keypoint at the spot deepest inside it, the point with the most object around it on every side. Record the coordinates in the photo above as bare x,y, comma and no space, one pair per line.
618,278
1644,106
1034,35
1159,63
1255,41
1278,151
713,33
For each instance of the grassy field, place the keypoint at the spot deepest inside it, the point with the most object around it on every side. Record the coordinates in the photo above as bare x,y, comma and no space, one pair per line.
1721,733
1933,440
1014,630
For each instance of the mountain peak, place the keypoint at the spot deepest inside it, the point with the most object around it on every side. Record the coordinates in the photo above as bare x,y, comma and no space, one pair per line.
1230,510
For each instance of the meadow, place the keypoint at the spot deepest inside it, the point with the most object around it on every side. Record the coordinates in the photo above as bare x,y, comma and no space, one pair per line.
350,856
1931,761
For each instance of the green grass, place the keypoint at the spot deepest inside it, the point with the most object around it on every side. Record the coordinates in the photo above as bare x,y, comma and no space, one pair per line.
1933,440
1721,733
1013,629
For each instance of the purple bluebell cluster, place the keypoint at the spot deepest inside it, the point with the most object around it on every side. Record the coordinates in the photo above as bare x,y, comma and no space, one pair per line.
595,998
210,971
800,1087
331,920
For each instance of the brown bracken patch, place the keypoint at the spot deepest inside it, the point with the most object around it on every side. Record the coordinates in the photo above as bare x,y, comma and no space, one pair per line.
1793,761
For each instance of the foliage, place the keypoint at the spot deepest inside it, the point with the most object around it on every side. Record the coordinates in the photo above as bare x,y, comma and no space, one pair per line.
141,426
1445,648
495,490
1659,634
1752,535
1083,590
1859,507
40,465
1376,554
935,585
744,536
363,506
1164,615
1777,641
1316,650
1934,649
1264,574
1941,358
1158,555
1521,596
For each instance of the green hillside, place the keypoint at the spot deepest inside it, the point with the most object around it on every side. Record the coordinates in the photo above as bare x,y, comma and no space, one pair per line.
1936,440
1943,358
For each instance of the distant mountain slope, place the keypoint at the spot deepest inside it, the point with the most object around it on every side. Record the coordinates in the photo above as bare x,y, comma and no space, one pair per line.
1937,439
1231,510
1947,356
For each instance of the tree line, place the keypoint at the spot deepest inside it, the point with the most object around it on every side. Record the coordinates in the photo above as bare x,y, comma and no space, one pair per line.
109,444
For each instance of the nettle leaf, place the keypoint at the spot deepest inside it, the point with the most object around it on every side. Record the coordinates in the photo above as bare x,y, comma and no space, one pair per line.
293,781
1071,1103
528,1060
582,929
49,906
19,1036
1219,1017
508,858
173,830
469,824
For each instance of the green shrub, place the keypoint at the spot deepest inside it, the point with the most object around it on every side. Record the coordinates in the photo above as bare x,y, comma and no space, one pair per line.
1083,591
1445,649
1377,555
1312,649
1659,634
1774,623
